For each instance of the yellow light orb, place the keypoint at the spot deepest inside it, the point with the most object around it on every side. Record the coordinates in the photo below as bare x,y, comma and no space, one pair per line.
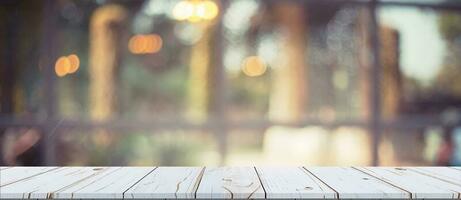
183,10
62,66
207,10
195,17
74,63
254,66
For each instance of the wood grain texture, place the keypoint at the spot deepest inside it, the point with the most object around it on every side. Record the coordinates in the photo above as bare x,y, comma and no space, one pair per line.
12,175
350,183
420,185
43,186
230,182
167,182
443,173
110,184
292,183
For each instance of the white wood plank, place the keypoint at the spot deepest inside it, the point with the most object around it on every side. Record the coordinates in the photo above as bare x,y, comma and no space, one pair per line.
4,168
443,173
167,183
44,185
292,183
230,182
11,175
420,186
350,183
109,184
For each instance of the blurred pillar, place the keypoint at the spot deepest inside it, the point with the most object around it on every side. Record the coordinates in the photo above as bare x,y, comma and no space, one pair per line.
288,95
106,35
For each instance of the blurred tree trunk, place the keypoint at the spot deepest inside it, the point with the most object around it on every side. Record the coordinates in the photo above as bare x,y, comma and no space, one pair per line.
288,95
106,34
206,95
391,78
200,73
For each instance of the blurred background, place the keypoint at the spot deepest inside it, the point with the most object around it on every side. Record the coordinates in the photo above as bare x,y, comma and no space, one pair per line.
230,82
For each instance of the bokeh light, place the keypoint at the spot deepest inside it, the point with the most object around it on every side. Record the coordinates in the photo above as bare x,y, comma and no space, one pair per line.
145,44
183,10
66,65
136,45
74,63
207,10
254,66
195,11
62,66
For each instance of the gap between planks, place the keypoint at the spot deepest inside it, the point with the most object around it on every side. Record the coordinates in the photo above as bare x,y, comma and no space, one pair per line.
123,194
262,185
336,192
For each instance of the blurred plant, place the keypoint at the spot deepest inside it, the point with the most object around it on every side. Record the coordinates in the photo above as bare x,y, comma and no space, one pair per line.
447,79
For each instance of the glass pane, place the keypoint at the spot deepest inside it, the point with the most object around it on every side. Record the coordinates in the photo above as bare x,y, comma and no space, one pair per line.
138,148
422,67
290,62
310,145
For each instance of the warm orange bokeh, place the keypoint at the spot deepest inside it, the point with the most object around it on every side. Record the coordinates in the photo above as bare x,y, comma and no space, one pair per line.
254,66
62,66
66,65
145,44
74,63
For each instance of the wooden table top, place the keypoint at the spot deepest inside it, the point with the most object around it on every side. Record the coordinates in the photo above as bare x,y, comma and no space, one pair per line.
230,182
